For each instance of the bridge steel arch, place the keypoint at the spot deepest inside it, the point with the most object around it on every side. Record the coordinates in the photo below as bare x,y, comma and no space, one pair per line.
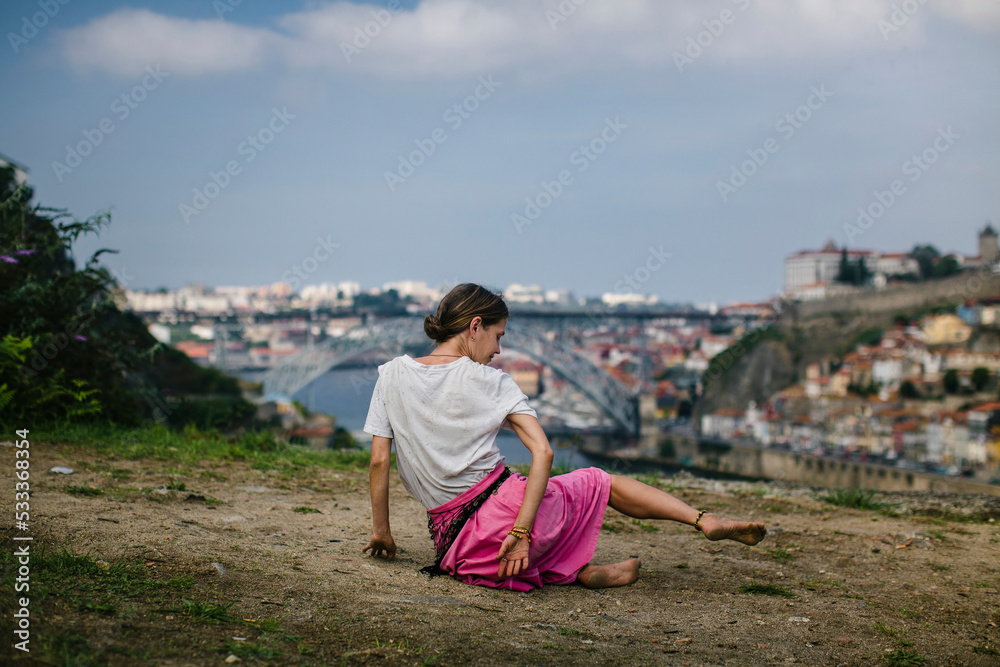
392,336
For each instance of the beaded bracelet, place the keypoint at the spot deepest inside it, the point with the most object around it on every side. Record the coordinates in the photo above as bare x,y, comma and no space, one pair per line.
519,533
696,527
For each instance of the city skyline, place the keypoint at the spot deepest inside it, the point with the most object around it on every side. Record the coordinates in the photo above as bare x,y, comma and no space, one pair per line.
521,142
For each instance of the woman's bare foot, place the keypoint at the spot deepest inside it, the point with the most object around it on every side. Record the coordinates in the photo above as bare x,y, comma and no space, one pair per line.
608,576
715,528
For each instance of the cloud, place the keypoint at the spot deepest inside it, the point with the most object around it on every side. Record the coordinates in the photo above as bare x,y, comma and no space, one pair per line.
444,38
126,41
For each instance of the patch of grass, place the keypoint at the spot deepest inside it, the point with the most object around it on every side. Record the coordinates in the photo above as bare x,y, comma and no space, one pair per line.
269,624
906,612
899,636
903,658
306,510
682,566
70,650
207,612
862,499
647,527
983,649
104,609
613,526
259,649
781,555
814,584
190,448
766,589
85,491
937,534
940,568
568,631
179,582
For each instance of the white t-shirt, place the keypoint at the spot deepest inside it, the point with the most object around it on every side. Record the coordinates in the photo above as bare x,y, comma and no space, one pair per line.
444,420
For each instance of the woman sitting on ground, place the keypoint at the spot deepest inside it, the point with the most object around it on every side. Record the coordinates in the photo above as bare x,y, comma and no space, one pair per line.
490,526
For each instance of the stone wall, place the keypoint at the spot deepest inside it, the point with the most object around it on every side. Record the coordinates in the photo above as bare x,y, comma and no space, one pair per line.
977,284
766,463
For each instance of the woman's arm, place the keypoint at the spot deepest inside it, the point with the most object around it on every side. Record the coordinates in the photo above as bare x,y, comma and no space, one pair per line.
531,434
378,477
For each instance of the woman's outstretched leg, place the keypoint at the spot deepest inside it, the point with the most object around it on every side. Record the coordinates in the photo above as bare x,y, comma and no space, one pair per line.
642,501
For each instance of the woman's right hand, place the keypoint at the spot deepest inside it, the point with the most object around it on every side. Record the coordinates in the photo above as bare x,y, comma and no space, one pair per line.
513,557
382,547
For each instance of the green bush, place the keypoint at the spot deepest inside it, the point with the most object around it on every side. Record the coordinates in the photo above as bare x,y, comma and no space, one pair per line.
68,353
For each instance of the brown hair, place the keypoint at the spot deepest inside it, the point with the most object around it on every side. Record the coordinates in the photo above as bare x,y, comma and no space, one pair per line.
458,308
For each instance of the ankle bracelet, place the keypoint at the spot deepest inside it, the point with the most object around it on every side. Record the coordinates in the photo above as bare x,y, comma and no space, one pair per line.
700,514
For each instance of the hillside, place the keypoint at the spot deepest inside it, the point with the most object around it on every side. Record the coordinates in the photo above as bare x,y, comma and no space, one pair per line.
816,330
156,560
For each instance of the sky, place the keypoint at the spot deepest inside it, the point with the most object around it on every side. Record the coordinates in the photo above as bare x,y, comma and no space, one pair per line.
680,149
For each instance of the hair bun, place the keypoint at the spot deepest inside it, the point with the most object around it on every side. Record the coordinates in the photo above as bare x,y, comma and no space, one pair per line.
433,328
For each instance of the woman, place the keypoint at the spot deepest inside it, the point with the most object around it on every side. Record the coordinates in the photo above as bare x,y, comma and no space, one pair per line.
492,527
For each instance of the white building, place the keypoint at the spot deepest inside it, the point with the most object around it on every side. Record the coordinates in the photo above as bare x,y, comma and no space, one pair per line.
618,299
149,302
887,372
811,267
895,264
518,293
415,289
560,296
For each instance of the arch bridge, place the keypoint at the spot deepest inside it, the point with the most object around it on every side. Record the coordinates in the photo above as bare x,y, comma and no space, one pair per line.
392,337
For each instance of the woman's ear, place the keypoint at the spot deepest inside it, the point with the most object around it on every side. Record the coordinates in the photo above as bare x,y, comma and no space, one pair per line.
474,325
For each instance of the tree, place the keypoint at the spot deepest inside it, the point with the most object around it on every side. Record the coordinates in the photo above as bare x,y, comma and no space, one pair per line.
908,390
951,381
845,274
852,273
861,272
980,377
926,256
67,348
946,266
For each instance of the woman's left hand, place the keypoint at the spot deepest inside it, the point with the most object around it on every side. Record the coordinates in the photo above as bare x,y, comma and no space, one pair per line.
513,557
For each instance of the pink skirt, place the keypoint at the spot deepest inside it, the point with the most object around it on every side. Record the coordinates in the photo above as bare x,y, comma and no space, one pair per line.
563,537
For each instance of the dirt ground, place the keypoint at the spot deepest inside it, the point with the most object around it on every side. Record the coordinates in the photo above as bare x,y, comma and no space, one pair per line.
864,588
